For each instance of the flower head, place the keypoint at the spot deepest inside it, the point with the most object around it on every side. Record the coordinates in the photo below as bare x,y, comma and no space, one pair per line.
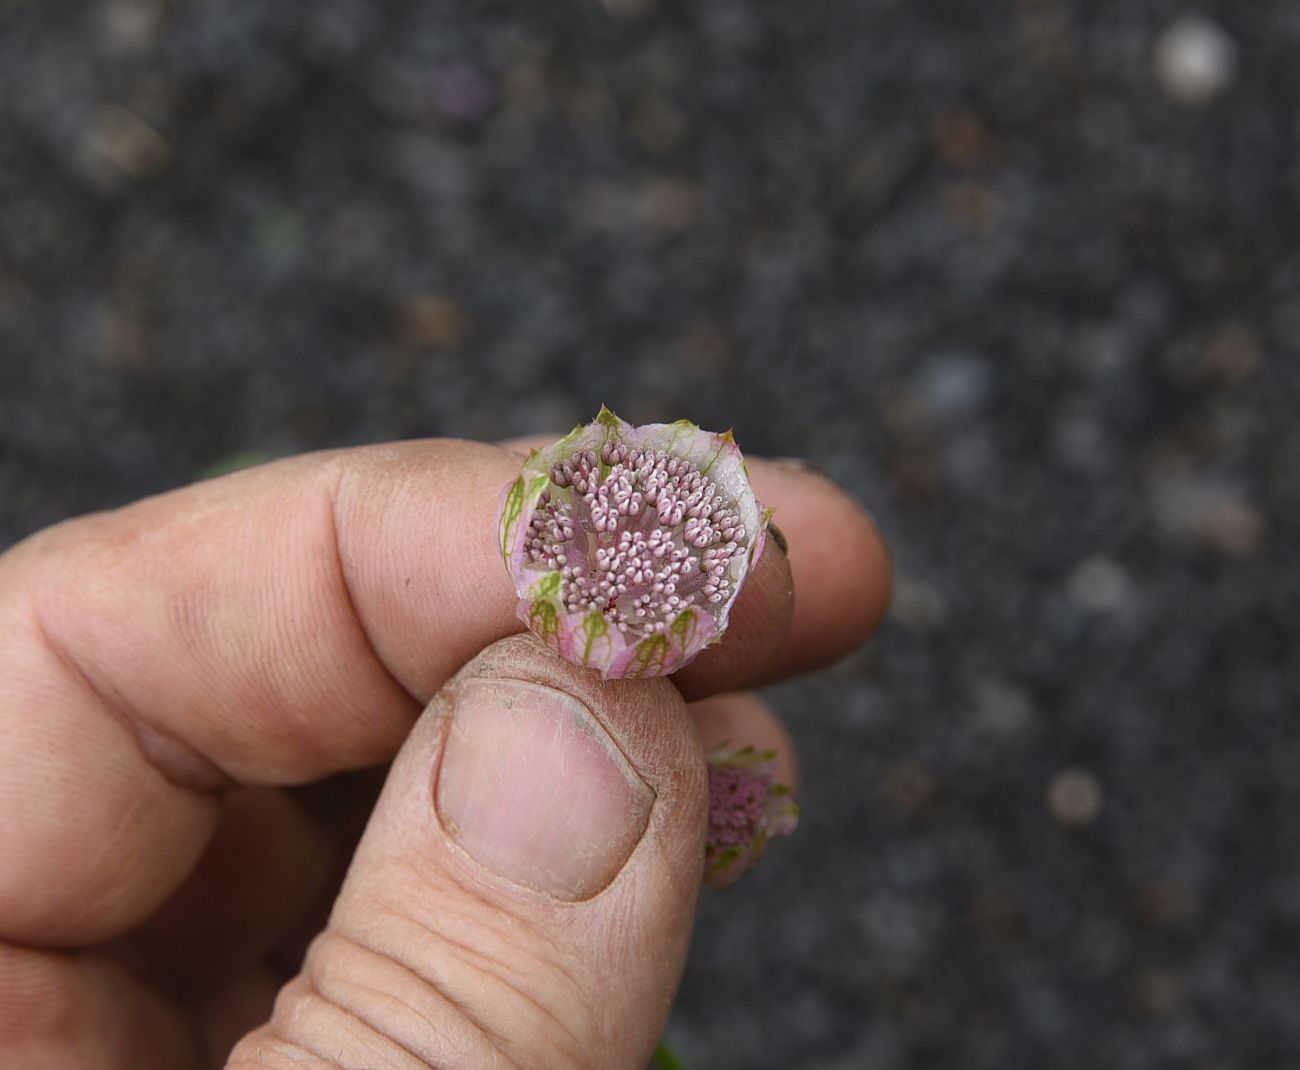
628,545
746,809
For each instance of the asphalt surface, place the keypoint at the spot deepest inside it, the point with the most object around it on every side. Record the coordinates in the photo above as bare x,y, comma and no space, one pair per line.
1023,276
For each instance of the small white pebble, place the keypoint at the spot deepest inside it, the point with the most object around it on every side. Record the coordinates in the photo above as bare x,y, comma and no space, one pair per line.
1074,797
1100,585
1194,59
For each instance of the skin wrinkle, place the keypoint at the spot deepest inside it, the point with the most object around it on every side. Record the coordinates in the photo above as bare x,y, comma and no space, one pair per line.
486,921
195,772
284,1047
414,480
623,960
109,845
313,976
336,491
571,935
59,1000
37,1000
497,968
371,1022
334,593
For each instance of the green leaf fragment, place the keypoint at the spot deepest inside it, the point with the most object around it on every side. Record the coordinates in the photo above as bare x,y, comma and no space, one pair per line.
594,626
236,462
682,626
666,1058
727,438
511,510
543,621
548,586
651,653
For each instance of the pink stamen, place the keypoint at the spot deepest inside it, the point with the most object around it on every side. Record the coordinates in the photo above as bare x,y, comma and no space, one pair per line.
641,543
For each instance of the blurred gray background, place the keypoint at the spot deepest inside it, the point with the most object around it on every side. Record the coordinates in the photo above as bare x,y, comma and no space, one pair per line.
1022,274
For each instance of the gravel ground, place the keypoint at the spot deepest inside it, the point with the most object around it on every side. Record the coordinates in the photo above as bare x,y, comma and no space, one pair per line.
1024,276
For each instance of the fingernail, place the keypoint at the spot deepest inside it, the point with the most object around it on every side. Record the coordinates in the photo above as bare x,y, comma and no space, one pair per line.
800,464
778,537
534,790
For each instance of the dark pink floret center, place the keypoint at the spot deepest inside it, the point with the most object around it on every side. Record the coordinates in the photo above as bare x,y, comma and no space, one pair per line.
737,799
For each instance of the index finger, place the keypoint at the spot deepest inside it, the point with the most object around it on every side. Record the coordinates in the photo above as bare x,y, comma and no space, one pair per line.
273,626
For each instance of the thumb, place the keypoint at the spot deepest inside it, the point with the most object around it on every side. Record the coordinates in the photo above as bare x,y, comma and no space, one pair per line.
524,893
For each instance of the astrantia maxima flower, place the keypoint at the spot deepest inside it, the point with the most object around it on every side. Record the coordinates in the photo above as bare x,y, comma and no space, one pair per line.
746,809
628,545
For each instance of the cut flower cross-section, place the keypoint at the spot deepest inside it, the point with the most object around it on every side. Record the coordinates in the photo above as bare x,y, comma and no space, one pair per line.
628,545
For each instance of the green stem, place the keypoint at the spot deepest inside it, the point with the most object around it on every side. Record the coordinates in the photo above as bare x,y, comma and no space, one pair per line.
666,1059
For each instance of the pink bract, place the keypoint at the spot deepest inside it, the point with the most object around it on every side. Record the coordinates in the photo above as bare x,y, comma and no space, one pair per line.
628,545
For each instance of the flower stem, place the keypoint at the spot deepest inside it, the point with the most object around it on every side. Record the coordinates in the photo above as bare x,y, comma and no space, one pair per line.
666,1058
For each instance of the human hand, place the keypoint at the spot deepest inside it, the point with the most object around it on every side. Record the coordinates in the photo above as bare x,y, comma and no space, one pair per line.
178,675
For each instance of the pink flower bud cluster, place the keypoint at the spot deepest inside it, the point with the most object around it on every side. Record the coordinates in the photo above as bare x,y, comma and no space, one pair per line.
736,804
660,536
746,809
